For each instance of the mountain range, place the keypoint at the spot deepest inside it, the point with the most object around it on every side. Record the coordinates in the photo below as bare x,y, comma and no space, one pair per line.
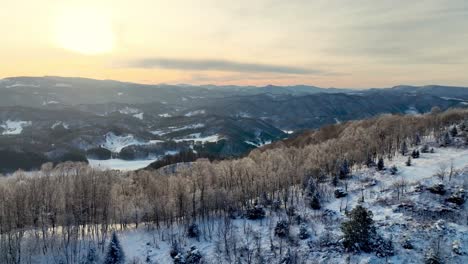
58,119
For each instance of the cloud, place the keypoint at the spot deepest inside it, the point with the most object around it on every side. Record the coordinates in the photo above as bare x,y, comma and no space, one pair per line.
217,65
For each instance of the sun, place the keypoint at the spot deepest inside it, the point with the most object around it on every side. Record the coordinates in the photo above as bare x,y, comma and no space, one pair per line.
84,30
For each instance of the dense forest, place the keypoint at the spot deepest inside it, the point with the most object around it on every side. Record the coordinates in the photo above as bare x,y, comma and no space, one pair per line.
59,208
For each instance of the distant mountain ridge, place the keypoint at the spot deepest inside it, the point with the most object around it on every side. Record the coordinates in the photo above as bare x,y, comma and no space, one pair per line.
59,118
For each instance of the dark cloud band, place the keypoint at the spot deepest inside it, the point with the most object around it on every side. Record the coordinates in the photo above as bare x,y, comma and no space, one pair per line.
217,65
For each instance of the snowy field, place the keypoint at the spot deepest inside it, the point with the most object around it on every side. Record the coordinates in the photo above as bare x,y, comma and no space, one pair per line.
119,164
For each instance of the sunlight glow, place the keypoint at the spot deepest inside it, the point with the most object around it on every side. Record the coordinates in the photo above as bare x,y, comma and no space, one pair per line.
84,30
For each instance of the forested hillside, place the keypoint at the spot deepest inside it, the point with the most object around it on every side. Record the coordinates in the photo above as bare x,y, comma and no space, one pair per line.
276,204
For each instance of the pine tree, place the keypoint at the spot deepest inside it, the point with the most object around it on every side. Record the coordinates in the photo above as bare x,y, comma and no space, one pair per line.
417,140
344,169
454,131
91,257
380,164
315,203
115,254
404,148
359,230
447,140
408,162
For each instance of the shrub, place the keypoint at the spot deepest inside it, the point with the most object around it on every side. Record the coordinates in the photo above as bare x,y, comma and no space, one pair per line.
193,231
432,257
393,170
303,232
339,193
194,256
438,188
282,229
254,213
383,247
457,198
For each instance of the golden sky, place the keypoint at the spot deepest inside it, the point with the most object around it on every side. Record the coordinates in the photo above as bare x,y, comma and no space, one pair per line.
326,43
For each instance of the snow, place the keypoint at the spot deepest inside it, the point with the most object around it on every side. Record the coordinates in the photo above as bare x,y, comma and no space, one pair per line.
261,143
139,116
116,143
119,164
147,243
452,98
176,129
119,94
129,111
50,102
194,113
196,137
289,132
165,115
63,85
337,120
11,127
60,123
412,111
22,85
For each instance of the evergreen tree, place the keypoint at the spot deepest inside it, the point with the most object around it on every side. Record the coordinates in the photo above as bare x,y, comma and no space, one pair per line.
408,162
344,169
415,154
417,140
380,164
115,254
359,230
393,170
447,140
404,148
315,203
454,131
91,257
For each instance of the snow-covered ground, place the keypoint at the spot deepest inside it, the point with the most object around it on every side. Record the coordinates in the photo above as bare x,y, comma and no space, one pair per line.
194,113
11,127
116,143
404,218
119,164
176,129
196,137
391,222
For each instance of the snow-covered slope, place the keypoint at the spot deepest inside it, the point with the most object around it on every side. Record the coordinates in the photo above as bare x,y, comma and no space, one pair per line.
11,127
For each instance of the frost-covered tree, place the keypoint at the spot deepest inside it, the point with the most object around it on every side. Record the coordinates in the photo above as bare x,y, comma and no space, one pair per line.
359,230
115,253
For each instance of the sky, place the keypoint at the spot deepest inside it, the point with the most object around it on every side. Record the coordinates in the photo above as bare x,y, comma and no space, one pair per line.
327,43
